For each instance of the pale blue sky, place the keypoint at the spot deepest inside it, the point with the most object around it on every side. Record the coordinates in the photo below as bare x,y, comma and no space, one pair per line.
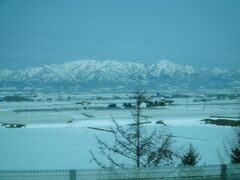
201,33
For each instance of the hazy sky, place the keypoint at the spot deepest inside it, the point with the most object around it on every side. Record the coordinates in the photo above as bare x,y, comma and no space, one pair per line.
201,33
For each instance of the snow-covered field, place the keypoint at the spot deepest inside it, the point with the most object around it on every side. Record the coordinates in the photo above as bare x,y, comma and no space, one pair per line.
49,142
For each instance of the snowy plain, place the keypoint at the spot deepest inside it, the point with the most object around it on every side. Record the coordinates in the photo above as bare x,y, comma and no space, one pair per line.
50,142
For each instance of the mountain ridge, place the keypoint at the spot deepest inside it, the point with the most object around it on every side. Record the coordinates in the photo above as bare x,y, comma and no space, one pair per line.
81,74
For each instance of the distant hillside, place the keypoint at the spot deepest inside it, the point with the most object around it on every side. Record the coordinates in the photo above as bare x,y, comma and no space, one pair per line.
92,74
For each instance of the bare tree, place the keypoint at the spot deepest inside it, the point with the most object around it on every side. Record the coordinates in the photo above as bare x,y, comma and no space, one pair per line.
142,147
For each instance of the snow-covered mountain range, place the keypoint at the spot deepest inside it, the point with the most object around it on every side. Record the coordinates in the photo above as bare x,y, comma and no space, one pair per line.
88,74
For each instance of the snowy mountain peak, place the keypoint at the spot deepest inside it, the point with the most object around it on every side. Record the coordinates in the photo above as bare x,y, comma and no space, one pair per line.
218,71
94,73
165,62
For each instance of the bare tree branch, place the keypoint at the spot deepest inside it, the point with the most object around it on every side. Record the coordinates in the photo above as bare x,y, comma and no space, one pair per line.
135,144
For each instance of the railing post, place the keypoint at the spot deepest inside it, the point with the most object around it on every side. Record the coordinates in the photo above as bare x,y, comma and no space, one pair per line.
72,174
224,172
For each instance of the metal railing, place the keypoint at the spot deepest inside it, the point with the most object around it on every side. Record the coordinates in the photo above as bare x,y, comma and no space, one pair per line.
230,172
